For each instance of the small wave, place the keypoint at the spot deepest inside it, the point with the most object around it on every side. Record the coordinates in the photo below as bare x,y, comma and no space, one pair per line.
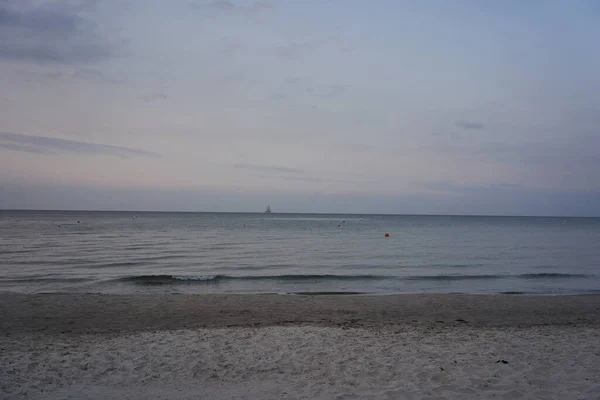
327,293
201,278
174,279
190,279
120,264
301,277
452,265
4,252
46,262
167,279
41,280
452,277
551,275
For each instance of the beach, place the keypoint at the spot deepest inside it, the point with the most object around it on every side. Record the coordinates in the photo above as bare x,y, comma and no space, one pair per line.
279,346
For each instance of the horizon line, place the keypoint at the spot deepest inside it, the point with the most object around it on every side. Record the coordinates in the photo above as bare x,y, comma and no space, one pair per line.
300,213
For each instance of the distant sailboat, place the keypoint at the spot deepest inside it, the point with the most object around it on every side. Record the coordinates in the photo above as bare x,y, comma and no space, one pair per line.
268,210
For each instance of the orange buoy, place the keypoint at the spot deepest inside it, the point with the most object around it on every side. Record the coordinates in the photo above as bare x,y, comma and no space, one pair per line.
387,234
339,225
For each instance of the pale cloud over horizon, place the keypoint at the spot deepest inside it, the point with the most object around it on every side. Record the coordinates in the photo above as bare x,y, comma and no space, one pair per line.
349,106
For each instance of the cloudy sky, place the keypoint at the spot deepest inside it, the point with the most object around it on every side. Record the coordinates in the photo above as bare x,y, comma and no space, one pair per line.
460,107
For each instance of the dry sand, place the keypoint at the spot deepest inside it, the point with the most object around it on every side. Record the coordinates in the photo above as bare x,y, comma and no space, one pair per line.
269,346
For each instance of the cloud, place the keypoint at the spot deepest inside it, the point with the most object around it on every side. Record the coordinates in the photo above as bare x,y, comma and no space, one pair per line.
24,148
53,146
453,187
469,125
226,7
315,180
266,168
154,96
53,32
90,75
93,76
309,179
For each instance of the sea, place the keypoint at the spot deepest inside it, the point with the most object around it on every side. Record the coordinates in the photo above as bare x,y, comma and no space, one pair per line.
296,254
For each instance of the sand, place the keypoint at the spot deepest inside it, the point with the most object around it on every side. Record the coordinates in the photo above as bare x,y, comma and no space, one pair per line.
268,346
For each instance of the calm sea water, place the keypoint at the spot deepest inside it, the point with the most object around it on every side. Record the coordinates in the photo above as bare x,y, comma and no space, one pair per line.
120,252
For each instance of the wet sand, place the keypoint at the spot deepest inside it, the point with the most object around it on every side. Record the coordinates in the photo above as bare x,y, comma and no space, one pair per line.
90,313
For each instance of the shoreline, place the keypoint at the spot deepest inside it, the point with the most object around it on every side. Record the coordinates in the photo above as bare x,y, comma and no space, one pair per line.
102,313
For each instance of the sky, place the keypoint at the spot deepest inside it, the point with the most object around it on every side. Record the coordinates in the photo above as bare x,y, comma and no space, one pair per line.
408,107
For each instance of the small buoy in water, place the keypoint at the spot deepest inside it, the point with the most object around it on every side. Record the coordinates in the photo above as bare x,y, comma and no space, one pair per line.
387,234
78,221
59,226
339,226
